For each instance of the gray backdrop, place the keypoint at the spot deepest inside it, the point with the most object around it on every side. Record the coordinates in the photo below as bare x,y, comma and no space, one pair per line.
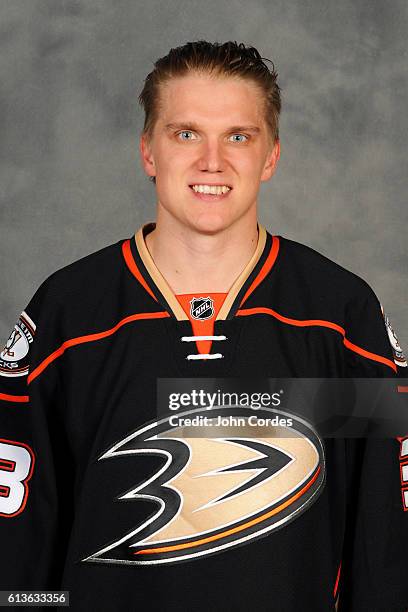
70,177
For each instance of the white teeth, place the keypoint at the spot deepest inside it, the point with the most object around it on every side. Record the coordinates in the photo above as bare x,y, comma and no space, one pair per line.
213,189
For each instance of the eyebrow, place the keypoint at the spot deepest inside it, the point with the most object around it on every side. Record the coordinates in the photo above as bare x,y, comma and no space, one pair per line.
188,125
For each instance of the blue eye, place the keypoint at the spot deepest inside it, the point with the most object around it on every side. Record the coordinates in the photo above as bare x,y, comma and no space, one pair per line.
242,136
187,133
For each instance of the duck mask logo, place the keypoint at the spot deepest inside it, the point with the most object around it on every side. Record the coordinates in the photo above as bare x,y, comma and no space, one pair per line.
215,493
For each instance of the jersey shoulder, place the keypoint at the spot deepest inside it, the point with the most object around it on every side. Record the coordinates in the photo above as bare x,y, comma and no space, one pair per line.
78,299
75,299
325,276
89,274
313,287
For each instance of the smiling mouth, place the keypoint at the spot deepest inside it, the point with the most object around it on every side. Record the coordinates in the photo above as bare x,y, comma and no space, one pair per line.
210,192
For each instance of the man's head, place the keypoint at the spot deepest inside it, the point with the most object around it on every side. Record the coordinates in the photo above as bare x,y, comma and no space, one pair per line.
211,117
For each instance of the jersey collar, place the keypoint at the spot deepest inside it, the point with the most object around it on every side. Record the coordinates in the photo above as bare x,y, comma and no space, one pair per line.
141,264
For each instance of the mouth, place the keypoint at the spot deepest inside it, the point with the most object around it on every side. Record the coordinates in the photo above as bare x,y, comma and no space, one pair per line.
210,192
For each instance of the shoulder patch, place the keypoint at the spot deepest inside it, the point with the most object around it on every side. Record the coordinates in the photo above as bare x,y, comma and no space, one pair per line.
14,357
399,356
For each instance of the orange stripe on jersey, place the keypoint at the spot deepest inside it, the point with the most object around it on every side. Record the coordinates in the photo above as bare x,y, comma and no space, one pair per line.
297,322
237,529
266,268
90,338
131,264
368,355
402,389
336,586
320,323
14,398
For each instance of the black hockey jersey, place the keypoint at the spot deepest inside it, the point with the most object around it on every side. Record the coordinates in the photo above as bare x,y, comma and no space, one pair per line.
94,501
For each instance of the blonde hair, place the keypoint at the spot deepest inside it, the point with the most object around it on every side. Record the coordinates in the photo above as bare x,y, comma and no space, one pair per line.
226,59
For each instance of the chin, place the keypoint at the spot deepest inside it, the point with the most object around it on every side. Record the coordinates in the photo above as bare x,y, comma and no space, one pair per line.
210,223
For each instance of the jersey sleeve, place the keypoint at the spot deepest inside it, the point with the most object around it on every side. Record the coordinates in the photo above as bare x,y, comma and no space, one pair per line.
33,510
374,566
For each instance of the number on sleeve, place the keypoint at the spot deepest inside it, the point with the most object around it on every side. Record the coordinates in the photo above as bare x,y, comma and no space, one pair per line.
16,468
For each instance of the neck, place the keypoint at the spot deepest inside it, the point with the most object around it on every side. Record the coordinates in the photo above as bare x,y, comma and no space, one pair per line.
193,262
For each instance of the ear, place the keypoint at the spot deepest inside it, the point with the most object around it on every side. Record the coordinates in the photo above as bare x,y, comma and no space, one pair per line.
271,162
146,155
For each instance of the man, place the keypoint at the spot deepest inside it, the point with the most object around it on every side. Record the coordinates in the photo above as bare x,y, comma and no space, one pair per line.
102,496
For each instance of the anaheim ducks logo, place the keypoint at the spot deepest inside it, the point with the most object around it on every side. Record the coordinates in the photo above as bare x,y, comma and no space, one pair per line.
202,308
215,493
13,358
399,357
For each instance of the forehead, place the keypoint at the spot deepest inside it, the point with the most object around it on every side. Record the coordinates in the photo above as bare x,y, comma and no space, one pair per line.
203,98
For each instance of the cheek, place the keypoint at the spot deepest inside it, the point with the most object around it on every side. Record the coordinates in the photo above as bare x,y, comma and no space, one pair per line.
249,167
173,160
171,171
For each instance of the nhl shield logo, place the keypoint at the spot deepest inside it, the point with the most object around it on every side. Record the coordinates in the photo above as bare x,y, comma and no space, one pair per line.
202,308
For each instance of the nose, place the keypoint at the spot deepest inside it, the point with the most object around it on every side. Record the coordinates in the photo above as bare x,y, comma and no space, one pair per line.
211,157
